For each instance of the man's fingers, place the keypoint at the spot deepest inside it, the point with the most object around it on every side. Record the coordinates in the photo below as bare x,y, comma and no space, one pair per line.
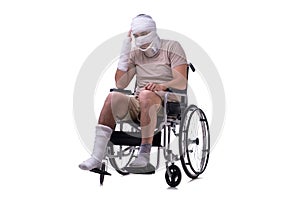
129,33
149,86
152,87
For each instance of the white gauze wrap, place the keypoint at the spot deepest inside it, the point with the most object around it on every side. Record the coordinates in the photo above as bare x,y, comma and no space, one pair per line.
139,41
124,55
142,23
145,24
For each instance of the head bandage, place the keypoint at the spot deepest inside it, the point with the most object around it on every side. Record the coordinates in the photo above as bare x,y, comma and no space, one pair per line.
145,23
142,23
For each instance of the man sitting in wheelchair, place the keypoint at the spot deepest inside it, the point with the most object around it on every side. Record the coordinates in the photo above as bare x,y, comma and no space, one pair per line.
158,65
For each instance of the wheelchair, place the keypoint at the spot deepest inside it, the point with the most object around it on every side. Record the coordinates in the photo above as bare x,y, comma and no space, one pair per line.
186,124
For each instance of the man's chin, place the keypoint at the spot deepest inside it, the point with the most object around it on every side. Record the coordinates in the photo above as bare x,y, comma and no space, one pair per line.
145,46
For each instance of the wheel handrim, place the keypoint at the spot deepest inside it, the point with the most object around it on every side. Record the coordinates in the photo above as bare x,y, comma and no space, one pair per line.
194,148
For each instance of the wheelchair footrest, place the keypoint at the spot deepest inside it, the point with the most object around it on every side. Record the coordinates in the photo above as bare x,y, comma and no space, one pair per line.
149,169
98,171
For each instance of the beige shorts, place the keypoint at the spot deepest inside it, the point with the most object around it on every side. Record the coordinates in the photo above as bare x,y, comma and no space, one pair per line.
134,110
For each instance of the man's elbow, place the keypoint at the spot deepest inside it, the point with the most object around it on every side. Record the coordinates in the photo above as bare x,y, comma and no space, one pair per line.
120,85
182,85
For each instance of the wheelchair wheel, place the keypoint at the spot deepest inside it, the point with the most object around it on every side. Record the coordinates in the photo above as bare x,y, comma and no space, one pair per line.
194,141
173,176
122,157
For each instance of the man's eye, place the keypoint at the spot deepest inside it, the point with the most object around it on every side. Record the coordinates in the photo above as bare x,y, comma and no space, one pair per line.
140,34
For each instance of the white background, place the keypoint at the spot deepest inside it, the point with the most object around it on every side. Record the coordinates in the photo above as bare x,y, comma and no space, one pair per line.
254,44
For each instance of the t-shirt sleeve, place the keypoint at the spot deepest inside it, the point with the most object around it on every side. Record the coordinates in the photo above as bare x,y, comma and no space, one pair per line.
131,60
176,55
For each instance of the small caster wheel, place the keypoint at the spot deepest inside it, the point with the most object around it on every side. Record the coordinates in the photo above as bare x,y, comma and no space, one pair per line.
102,175
173,176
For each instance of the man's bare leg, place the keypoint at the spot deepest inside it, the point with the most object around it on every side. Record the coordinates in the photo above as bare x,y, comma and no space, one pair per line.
113,108
149,104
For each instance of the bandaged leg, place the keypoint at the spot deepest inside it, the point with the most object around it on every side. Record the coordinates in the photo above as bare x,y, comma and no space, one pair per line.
102,137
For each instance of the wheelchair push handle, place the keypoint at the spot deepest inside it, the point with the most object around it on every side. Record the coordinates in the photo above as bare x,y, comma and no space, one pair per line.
192,67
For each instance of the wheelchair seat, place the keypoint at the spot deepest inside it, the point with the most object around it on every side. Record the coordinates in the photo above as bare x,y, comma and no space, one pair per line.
132,138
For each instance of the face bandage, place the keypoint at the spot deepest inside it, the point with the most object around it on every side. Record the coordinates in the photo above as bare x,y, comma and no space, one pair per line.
141,40
153,47
146,24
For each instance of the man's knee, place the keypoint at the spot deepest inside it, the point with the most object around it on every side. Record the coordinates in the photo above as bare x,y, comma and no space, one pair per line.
148,98
107,101
115,97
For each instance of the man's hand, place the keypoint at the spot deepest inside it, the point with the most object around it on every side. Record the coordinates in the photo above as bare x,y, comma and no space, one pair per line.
155,87
125,52
129,34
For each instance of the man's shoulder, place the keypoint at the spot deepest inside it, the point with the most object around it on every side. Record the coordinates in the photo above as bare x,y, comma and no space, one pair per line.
169,42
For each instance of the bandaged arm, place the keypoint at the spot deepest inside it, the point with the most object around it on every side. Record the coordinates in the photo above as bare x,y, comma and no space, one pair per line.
123,74
124,55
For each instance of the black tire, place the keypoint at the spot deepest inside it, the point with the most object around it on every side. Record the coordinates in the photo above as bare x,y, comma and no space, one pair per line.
117,163
194,141
173,176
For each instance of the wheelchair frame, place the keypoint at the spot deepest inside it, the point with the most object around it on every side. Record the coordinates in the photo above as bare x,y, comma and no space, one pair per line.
175,114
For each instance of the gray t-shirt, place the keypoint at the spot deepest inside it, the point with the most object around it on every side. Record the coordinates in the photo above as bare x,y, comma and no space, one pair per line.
157,69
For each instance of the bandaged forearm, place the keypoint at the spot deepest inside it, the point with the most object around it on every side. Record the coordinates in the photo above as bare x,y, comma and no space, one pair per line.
124,55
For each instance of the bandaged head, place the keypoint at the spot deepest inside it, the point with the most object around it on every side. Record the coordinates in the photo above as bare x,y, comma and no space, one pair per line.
144,23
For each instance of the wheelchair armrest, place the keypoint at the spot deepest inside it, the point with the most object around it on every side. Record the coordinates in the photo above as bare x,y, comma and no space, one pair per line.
176,91
128,92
